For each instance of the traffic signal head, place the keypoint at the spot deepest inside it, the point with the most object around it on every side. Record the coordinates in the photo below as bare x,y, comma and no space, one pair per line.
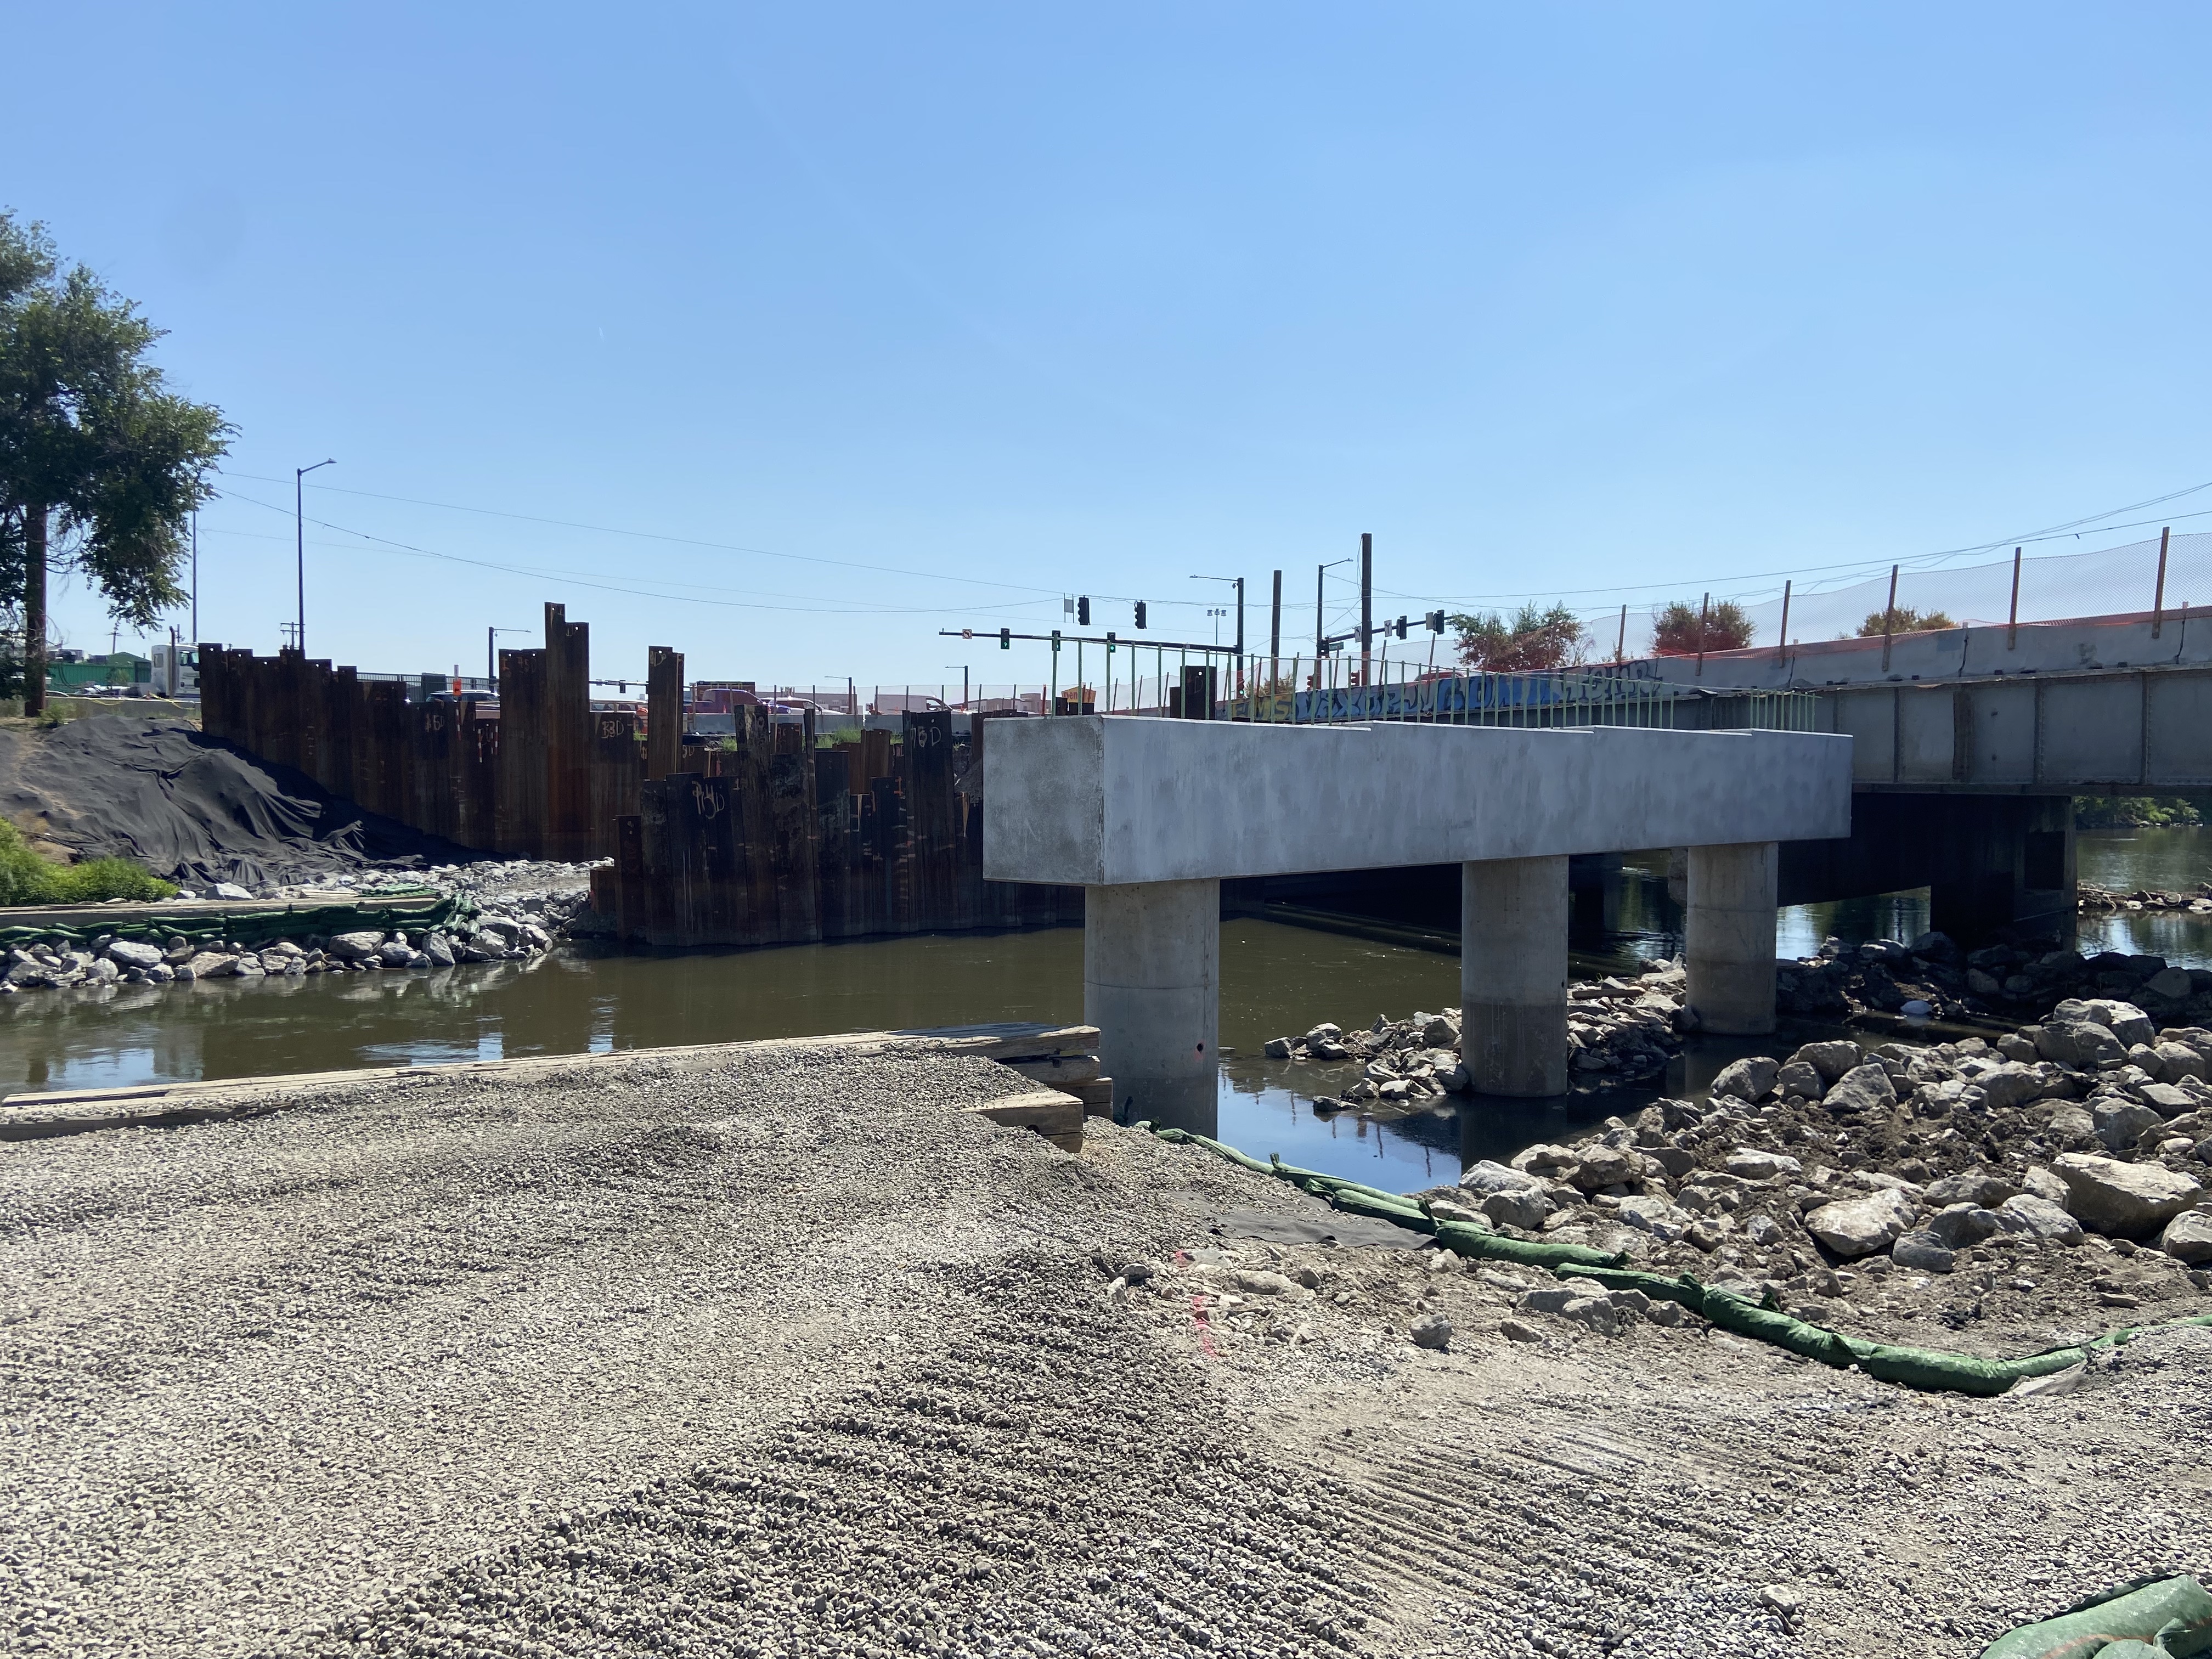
1401,628
1083,611
1006,639
1435,622
1141,613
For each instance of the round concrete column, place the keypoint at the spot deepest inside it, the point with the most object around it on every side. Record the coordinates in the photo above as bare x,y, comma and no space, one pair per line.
1151,984
1728,931
1513,975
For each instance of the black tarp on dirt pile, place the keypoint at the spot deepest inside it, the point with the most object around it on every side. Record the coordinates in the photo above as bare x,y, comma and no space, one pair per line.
193,809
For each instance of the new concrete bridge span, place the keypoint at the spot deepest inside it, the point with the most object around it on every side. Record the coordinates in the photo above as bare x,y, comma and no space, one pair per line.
1150,816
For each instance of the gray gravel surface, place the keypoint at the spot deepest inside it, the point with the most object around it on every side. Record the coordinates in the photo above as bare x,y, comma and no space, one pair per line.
793,1357
798,1357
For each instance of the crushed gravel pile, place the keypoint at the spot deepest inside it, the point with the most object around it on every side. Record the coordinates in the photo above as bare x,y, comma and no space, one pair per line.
786,1357
798,1357
189,808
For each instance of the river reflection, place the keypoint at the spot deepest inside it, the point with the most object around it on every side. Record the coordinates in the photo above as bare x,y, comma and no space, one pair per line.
1275,980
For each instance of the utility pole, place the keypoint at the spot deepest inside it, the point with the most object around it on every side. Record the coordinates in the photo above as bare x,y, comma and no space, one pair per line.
300,542
1275,634
1366,601
196,576
1320,620
1240,624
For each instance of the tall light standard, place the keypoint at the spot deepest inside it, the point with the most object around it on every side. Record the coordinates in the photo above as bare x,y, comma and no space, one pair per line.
300,542
1237,582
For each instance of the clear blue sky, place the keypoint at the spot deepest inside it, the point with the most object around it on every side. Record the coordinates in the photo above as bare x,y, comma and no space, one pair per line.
1085,299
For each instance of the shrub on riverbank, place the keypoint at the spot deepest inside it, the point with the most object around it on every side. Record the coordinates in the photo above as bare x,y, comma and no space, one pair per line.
26,878
2136,812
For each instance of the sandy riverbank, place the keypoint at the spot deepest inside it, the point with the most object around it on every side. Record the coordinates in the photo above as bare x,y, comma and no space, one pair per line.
796,1356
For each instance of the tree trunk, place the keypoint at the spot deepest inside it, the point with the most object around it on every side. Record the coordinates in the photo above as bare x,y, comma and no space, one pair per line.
34,609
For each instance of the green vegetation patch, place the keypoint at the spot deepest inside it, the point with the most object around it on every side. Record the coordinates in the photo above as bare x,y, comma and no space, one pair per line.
26,878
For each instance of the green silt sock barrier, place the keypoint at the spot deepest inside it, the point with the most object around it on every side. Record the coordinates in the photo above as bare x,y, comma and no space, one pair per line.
1928,1368
2168,1617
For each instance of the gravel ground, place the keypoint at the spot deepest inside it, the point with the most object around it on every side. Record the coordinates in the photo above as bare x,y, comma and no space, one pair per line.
797,1358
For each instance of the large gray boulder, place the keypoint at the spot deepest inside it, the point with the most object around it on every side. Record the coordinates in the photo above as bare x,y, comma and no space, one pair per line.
352,947
2009,1084
2080,1043
2187,1237
2121,1121
2126,1021
1958,1225
2049,1221
1605,1166
1524,1207
1753,1163
2123,1200
1923,1252
131,953
1863,1088
2069,1123
1829,1060
1749,1078
1972,1186
2177,1060
1854,1227
1491,1177
2167,1099
1800,1081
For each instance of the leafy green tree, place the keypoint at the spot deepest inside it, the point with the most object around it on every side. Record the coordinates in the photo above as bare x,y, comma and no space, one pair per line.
1533,638
1902,620
1678,629
100,463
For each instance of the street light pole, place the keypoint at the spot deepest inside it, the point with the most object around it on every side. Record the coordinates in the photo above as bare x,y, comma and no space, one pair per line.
299,543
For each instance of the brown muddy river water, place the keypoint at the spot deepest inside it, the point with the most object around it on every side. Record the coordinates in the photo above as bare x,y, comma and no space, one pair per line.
1275,979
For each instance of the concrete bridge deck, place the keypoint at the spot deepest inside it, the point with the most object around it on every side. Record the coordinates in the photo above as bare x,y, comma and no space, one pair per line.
1148,816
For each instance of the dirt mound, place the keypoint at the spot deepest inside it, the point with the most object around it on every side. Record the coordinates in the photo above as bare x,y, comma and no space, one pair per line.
191,808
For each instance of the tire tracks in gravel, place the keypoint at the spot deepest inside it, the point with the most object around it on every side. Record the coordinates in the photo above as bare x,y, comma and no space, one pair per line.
966,1503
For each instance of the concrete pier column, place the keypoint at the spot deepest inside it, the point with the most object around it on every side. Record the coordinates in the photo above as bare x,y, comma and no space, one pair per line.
1513,975
1728,931
1151,984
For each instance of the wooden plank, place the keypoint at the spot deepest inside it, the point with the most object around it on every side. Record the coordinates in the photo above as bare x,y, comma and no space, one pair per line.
1058,1071
1098,1097
1047,1111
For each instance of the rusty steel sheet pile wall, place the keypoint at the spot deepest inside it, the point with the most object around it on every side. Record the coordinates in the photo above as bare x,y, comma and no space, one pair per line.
766,838
759,838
